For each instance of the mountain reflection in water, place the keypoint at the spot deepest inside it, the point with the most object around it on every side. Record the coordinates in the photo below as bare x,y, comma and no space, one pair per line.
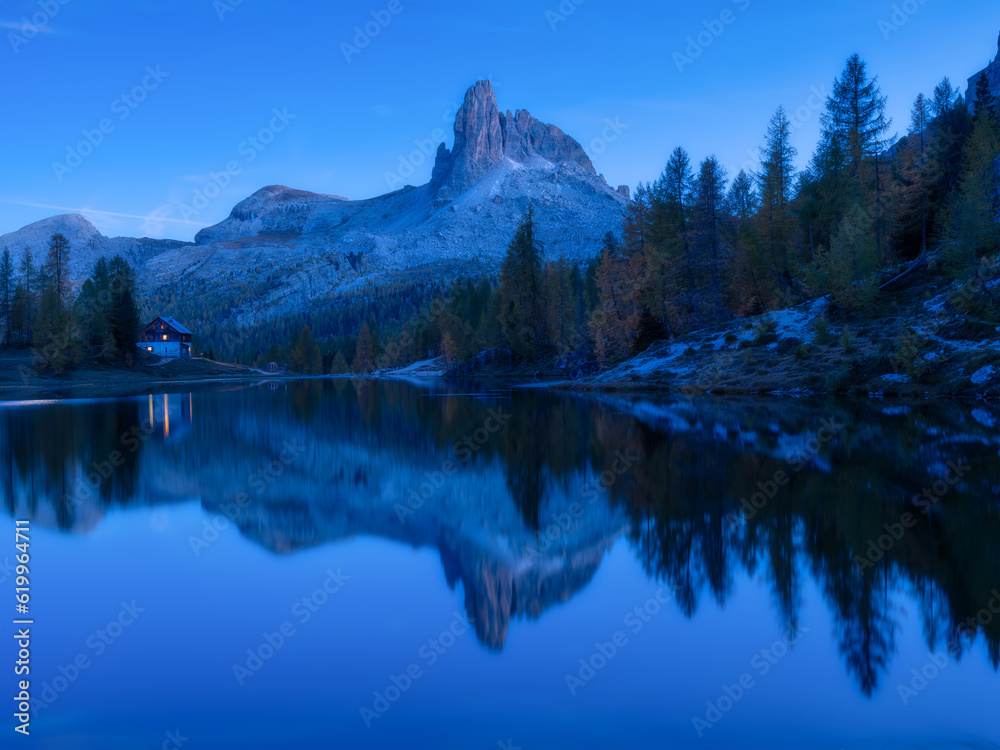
524,492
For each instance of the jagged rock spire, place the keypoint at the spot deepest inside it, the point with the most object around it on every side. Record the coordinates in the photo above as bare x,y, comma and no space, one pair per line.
484,136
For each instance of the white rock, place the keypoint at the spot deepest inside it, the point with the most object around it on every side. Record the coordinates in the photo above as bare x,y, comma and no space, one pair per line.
983,375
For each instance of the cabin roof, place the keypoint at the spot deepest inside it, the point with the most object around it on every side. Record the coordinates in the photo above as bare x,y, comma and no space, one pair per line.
173,323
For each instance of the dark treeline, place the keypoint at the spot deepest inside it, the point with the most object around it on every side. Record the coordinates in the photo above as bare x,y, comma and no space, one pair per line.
698,247
38,308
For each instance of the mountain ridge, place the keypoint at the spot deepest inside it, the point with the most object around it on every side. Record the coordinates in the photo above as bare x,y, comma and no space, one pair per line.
301,246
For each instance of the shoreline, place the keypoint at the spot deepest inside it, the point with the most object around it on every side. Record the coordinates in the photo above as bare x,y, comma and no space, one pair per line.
124,388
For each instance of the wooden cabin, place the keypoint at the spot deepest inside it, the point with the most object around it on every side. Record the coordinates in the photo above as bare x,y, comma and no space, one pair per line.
166,337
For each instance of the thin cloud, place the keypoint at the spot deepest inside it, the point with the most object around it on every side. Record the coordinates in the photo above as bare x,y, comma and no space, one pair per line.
101,213
27,27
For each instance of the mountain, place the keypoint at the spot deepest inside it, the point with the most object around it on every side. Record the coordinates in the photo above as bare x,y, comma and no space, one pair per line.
301,246
86,243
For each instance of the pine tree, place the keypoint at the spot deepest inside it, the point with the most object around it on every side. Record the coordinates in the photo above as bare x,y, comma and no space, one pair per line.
847,271
561,308
340,366
52,340
6,295
945,98
17,327
856,113
125,326
973,222
364,355
615,322
919,125
749,277
777,158
520,290
450,350
669,284
28,280
855,118
707,215
985,102
302,351
91,315
56,264
315,360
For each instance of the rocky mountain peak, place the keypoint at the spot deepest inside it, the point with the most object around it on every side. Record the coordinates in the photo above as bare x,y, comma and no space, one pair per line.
484,137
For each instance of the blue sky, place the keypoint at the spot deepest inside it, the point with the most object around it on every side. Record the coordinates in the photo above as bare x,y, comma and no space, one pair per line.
213,74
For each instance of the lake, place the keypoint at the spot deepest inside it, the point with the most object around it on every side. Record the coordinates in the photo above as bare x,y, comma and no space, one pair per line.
359,564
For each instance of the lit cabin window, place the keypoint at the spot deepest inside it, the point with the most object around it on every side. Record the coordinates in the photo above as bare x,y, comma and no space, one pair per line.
149,348
165,337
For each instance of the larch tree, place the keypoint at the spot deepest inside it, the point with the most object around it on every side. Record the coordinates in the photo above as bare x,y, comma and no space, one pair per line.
340,366
973,220
920,120
29,274
615,321
777,170
7,287
57,264
751,287
855,117
364,353
670,286
520,291
708,211
945,98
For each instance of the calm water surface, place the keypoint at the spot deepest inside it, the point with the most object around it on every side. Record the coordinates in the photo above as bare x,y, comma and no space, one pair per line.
329,564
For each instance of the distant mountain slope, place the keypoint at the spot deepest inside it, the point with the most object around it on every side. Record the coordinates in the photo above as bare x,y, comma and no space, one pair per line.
86,243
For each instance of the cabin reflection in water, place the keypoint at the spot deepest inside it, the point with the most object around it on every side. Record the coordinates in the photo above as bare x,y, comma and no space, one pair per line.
170,416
